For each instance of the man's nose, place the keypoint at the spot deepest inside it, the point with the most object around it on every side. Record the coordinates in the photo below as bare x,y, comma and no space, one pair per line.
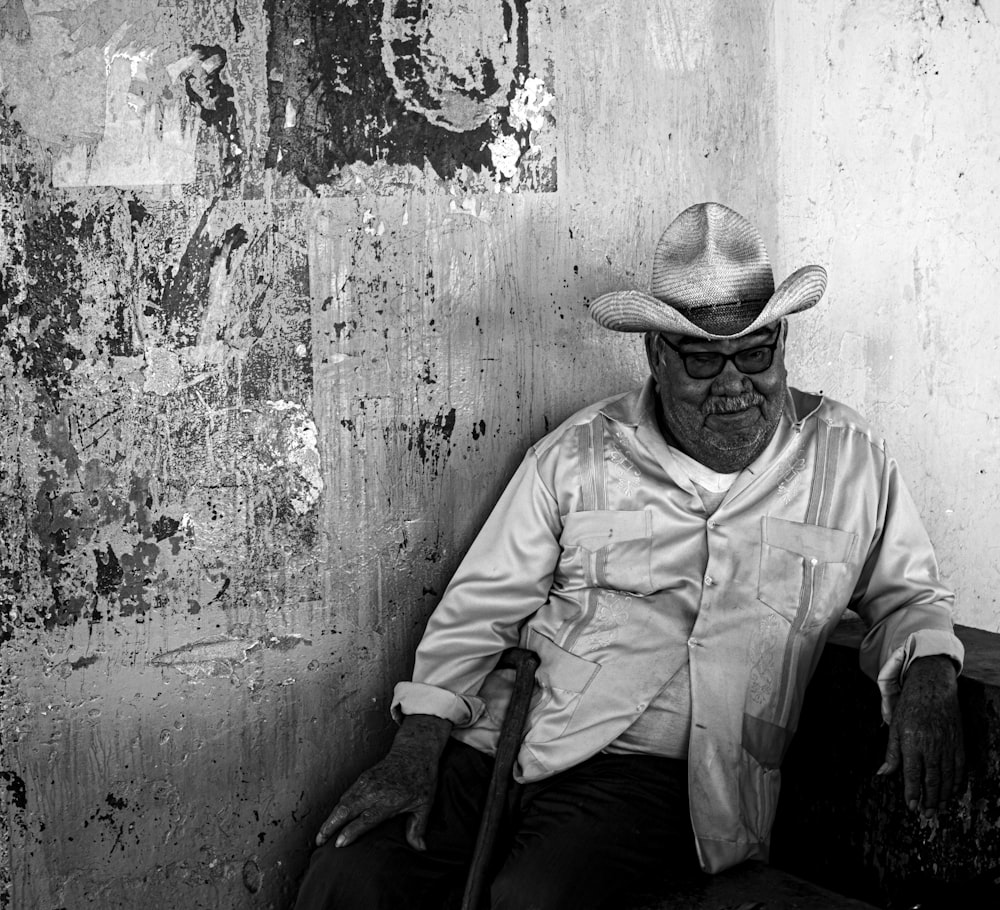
730,381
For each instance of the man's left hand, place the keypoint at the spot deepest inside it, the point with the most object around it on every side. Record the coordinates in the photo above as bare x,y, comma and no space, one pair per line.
925,735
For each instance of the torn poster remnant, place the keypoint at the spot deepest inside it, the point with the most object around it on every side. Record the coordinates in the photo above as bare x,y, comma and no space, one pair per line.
410,95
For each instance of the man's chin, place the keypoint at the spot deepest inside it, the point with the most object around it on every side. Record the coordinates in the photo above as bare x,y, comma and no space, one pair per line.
731,452
727,462
722,444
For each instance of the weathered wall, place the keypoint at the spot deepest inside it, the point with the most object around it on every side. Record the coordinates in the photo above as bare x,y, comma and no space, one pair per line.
282,300
888,174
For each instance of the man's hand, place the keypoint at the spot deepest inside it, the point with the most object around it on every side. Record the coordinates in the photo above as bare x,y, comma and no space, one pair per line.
404,781
925,735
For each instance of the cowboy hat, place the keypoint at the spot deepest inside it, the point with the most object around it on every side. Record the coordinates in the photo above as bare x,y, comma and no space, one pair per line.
712,279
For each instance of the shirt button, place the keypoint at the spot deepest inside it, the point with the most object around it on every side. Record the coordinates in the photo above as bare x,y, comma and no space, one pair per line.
641,706
693,642
709,580
713,524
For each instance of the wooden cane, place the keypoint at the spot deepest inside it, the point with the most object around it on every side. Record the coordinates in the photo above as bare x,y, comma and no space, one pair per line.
524,663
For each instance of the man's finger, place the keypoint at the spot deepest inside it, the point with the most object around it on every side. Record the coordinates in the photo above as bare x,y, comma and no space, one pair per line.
891,763
342,813
932,783
416,827
912,773
959,770
367,820
947,779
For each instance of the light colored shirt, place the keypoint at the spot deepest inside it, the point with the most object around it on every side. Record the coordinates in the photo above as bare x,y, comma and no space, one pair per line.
664,728
600,557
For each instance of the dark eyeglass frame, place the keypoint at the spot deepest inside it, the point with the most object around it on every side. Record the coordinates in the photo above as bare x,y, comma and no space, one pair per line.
723,359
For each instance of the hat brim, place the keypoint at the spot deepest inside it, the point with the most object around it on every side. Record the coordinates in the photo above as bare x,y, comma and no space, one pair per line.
634,311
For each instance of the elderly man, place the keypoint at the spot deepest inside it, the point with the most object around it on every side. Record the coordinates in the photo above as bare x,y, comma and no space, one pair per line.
677,557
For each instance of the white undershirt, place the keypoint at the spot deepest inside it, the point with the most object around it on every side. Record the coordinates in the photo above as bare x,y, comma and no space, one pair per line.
704,477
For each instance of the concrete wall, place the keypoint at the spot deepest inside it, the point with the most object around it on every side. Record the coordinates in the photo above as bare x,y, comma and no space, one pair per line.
283,300
888,175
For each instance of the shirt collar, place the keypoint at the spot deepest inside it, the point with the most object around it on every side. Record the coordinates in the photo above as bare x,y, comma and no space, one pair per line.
801,406
633,408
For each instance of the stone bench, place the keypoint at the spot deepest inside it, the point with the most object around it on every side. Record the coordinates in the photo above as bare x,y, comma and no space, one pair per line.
751,886
843,827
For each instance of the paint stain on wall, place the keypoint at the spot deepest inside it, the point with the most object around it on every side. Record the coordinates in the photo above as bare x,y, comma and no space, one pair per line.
220,656
127,99
206,266
408,87
15,787
49,310
110,544
14,20
146,131
115,320
430,439
214,100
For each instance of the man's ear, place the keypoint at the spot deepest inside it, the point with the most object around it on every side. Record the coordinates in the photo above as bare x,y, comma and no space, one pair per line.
652,351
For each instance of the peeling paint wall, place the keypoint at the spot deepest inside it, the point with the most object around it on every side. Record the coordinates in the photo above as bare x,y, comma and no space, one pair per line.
286,289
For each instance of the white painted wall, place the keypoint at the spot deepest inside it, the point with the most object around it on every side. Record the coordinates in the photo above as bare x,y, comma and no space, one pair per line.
887,174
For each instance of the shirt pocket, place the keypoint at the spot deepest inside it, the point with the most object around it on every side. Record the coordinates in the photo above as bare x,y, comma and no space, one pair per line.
614,548
561,678
805,570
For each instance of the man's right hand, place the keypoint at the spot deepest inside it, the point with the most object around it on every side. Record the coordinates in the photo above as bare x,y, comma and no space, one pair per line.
404,781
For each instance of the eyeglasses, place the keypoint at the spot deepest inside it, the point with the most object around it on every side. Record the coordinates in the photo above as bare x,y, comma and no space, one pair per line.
708,364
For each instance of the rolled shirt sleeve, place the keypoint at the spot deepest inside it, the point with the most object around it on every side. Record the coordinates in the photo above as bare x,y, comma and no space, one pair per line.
503,579
922,643
900,595
418,698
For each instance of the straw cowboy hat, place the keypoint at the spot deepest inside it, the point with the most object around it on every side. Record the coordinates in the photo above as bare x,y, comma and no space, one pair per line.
712,279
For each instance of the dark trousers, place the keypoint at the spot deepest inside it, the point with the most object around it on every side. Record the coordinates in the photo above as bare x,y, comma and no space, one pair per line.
580,839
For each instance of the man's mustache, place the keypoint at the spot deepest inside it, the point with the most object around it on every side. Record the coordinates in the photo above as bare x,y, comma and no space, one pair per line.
730,404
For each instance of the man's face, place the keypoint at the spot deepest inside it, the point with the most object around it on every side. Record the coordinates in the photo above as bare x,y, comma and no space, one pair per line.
725,421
